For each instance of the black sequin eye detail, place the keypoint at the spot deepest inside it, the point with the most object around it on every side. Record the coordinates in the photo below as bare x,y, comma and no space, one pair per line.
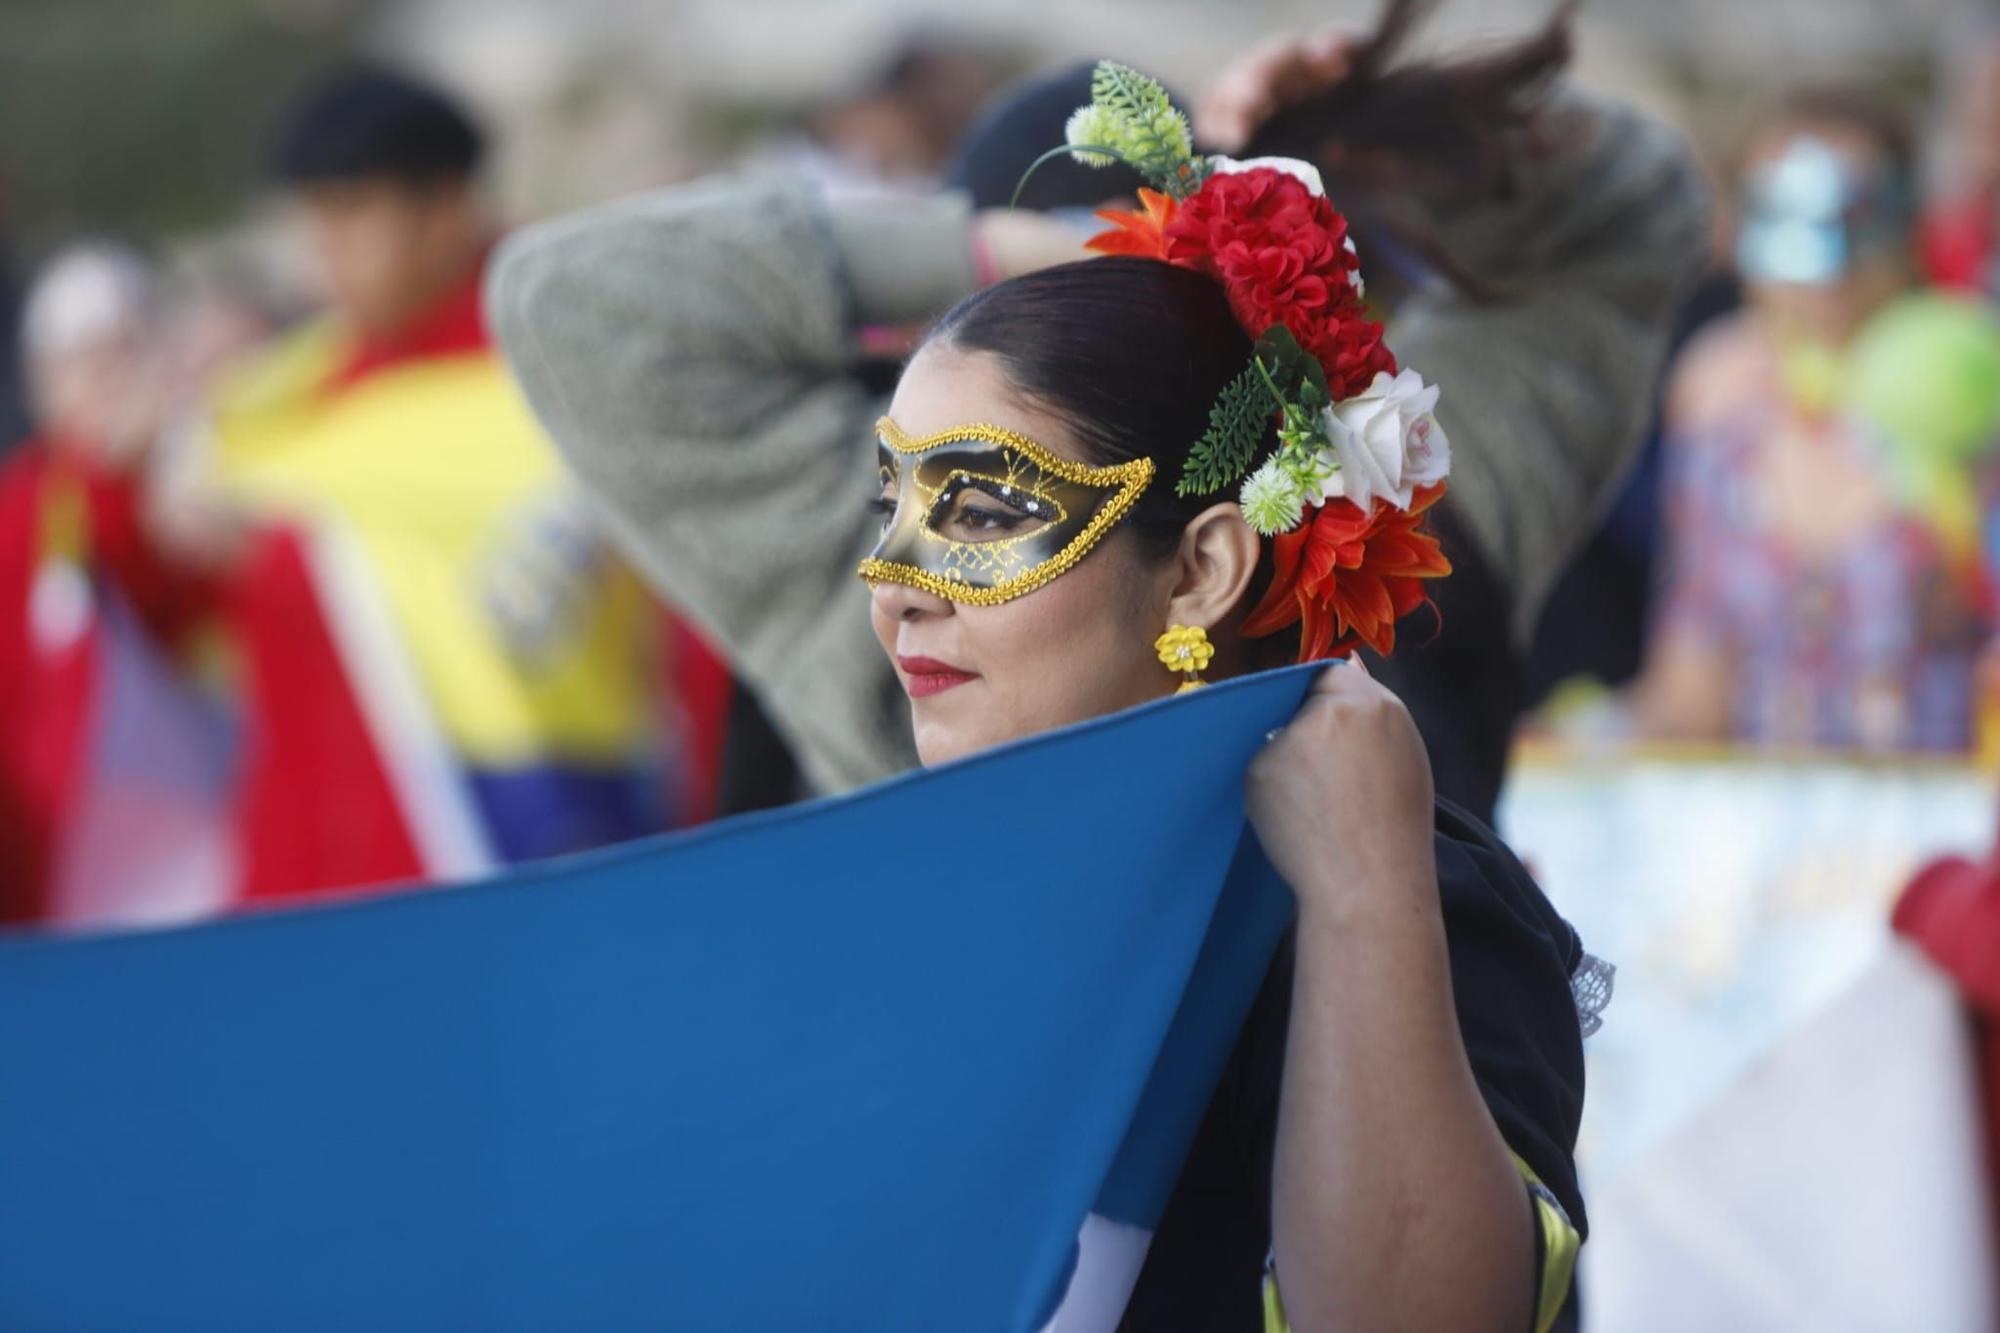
971,507
1025,503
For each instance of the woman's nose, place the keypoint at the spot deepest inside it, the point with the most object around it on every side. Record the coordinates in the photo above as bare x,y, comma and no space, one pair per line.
899,601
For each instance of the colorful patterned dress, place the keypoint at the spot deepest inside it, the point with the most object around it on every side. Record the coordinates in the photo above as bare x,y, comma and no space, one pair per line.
1842,617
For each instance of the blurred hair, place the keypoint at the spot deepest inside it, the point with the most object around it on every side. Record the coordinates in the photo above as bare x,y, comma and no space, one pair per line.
1465,122
1021,123
86,293
371,122
920,60
1836,106
1386,126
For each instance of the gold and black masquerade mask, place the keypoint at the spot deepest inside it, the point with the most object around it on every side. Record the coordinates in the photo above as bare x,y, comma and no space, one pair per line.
983,515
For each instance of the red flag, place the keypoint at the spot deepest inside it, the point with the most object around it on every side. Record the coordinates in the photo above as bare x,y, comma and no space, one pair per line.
317,807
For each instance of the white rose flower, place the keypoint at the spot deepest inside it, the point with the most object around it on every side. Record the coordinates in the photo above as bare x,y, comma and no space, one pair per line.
1426,451
1386,443
1218,165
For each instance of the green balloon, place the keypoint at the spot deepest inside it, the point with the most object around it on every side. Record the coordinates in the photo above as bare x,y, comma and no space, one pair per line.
1925,375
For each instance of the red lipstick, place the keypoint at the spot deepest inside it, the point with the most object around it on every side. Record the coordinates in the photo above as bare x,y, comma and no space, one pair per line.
925,676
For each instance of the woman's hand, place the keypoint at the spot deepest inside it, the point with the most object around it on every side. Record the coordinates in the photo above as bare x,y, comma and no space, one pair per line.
1341,800
1268,78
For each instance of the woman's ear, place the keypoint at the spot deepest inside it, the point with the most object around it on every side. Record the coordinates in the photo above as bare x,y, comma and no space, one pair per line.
1216,561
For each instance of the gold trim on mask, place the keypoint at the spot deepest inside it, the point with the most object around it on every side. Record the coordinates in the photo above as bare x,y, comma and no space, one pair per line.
1130,480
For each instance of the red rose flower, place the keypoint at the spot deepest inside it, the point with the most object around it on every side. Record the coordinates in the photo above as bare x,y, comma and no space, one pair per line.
1279,252
1352,352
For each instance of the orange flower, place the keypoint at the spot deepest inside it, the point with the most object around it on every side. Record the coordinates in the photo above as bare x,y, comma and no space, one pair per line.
1138,234
1347,577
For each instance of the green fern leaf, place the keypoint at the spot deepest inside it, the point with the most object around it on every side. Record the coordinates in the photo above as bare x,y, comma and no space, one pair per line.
1154,135
1237,425
1297,373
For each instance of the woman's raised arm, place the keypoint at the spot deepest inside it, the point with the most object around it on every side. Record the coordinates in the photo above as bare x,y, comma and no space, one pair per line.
689,351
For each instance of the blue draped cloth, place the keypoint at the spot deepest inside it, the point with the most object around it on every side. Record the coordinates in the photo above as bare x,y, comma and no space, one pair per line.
866,1063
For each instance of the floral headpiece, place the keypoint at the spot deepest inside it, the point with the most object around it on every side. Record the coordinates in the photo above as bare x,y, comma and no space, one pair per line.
1360,454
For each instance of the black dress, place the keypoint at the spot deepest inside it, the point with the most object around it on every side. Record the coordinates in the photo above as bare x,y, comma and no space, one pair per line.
1512,958
1461,678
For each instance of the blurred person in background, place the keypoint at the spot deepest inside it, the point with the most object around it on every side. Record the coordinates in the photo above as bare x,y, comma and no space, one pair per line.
895,132
904,125
78,572
1961,222
219,316
445,668
1821,567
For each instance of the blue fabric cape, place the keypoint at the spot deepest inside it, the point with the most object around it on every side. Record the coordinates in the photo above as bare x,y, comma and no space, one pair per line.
860,1064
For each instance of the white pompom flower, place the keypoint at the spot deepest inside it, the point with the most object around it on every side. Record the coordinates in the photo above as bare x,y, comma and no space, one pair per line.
1091,126
1273,501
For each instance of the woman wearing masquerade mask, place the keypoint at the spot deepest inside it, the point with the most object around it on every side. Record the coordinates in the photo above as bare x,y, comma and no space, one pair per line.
1097,483
1083,467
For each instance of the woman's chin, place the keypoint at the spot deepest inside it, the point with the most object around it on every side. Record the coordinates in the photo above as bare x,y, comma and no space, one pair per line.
951,726
940,744
936,746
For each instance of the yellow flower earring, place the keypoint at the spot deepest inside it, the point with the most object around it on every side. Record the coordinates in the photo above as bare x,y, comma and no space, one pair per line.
1185,648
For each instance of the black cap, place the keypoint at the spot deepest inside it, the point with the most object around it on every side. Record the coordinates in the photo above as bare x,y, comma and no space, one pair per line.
370,121
1021,123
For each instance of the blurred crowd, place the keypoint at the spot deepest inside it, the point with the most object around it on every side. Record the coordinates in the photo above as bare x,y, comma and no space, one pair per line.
295,598
1803,556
